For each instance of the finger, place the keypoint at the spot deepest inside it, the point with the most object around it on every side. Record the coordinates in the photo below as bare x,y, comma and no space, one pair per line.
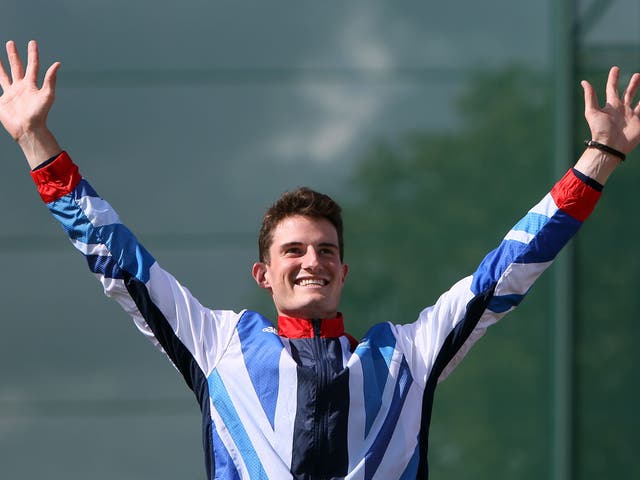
17,70
590,97
33,62
50,77
612,85
632,88
5,81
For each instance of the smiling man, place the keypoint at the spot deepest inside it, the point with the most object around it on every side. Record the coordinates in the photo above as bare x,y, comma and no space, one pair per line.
307,401
301,253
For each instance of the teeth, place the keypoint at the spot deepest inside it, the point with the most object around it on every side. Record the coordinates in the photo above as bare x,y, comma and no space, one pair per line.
311,281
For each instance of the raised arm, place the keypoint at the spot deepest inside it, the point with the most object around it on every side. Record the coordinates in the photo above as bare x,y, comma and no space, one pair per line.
24,106
445,332
163,309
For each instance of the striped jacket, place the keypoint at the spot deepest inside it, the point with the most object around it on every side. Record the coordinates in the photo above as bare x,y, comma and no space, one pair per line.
307,401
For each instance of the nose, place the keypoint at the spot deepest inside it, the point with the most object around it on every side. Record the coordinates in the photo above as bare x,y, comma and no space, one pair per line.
310,259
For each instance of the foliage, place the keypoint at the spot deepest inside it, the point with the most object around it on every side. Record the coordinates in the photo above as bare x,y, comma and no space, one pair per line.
428,207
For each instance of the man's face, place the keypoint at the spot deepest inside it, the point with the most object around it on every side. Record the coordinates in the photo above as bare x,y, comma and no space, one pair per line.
304,273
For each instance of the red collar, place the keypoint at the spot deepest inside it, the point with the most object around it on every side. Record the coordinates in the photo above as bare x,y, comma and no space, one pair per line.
290,327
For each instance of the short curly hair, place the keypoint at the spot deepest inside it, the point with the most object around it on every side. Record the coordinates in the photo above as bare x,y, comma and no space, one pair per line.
302,201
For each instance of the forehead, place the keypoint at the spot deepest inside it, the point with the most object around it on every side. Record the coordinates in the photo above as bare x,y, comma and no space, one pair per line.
299,228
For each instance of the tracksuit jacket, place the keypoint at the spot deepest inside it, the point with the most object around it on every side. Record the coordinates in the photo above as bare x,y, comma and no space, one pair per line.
306,401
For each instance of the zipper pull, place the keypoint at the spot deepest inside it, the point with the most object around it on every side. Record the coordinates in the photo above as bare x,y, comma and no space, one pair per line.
316,322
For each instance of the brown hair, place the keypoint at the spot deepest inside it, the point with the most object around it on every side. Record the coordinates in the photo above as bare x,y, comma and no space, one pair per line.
302,201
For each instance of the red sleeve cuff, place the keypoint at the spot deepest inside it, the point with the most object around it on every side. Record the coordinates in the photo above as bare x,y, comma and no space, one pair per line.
56,179
575,197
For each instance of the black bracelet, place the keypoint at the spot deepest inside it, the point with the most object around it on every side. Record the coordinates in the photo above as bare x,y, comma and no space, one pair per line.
605,148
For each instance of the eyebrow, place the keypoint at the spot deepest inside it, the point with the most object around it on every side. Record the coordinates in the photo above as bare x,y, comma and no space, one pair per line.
321,244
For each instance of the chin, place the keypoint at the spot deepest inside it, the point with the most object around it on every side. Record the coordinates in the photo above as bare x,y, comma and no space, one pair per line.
310,311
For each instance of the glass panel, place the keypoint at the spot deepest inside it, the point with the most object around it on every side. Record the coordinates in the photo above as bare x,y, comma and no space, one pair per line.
607,387
423,119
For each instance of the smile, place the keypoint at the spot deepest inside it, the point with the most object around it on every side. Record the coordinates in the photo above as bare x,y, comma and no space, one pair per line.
306,282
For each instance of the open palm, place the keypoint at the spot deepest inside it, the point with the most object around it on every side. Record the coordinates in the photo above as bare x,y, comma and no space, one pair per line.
617,124
23,106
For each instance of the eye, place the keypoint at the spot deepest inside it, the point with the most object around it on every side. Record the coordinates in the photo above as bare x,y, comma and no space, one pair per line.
293,251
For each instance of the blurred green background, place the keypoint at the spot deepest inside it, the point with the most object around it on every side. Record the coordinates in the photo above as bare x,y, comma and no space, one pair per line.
436,124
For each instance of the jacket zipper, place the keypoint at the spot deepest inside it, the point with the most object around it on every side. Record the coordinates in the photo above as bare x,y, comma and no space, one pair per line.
321,421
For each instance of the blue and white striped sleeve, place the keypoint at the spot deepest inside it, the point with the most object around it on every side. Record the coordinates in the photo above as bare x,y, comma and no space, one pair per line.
162,308
445,332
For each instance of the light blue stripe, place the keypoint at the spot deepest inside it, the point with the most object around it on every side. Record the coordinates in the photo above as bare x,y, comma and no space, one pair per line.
261,351
224,466
547,244
130,255
375,352
531,223
224,406
67,211
543,247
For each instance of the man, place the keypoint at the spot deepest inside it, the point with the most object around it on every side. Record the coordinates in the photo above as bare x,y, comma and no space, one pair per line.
308,401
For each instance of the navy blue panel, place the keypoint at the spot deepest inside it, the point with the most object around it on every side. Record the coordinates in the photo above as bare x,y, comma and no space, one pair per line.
543,247
320,428
547,244
104,265
400,392
452,344
45,163
588,180
180,356
503,303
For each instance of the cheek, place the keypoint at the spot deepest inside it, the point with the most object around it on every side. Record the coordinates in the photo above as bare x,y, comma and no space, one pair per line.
278,276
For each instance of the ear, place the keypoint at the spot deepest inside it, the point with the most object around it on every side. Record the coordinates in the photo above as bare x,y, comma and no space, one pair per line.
345,270
259,272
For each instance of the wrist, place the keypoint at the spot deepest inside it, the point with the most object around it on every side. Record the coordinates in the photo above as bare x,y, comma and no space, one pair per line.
38,145
597,164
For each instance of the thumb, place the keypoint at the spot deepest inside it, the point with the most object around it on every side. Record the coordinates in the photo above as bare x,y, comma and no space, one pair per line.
49,82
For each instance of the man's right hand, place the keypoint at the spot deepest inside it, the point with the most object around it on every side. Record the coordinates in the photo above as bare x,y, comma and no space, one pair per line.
24,107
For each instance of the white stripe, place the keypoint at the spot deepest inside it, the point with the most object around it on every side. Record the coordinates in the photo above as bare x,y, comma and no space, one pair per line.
404,439
345,344
286,406
546,206
356,422
205,333
114,288
518,278
519,236
267,443
98,211
92,248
